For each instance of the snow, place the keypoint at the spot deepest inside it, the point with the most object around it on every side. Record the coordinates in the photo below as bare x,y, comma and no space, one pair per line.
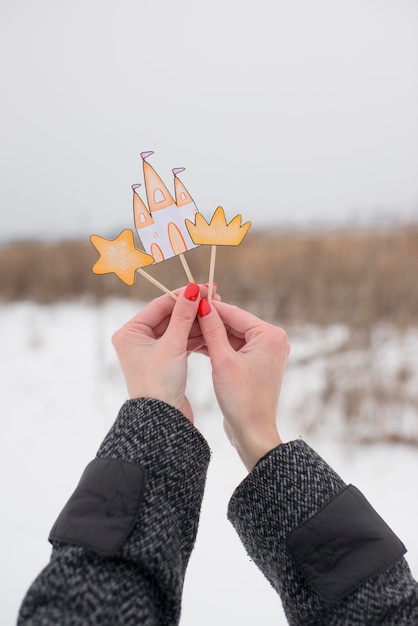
62,388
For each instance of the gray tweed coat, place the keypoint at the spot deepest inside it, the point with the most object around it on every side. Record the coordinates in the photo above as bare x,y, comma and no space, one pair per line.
122,543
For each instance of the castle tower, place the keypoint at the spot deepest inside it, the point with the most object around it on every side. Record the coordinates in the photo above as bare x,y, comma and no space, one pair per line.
158,195
142,216
145,227
186,206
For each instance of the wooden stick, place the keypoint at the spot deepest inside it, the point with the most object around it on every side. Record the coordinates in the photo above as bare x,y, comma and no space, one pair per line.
186,268
211,272
155,282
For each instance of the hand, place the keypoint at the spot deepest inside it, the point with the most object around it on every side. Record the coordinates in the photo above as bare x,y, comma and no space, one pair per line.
248,358
153,346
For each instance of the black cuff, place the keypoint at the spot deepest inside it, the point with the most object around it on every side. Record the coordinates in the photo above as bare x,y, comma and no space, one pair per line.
343,546
103,509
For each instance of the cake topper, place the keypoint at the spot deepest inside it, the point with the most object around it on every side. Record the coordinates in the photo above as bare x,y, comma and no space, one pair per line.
119,256
167,227
216,233
161,227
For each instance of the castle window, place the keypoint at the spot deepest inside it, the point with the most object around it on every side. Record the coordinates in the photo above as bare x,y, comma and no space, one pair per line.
141,218
158,196
195,211
183,196
155,234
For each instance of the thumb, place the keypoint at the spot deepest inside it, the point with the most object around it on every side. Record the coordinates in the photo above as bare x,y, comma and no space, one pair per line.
182,318
213,331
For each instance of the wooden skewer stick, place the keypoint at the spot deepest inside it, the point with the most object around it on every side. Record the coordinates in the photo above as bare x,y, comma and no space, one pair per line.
211,272
186,268
155,282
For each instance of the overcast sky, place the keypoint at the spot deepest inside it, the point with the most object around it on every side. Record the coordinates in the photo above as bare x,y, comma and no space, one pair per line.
284,111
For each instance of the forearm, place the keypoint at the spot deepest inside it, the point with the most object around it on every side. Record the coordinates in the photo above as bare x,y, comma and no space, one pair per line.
141,576
270,511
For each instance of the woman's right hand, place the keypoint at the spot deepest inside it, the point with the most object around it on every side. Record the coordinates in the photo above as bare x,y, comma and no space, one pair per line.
248,358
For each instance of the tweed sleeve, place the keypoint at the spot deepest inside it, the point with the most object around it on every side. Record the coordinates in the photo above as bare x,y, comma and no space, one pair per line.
310,534
163,458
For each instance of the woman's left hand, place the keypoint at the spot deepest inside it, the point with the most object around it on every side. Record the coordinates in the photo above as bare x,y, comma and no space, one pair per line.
153,347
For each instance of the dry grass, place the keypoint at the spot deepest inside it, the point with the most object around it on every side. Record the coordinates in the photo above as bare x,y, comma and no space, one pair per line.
356,277
361,278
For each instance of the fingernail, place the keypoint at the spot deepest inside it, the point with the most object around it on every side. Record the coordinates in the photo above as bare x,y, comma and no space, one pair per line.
215,285
204,307
192,291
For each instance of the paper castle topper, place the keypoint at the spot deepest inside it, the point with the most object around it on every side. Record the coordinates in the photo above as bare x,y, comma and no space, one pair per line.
167,227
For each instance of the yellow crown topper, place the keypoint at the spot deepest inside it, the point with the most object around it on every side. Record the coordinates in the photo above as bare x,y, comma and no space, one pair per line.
217,232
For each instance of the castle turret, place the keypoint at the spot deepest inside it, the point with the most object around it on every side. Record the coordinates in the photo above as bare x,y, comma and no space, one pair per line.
146,227
158,195
142,216
186,206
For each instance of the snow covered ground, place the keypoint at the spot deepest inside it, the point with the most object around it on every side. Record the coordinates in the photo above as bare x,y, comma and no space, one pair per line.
60,392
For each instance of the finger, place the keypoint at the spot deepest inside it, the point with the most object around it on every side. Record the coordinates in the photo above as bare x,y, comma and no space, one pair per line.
204,288
153,313
159,329
147,315
213,330
241,324
204,291
238,321
182,318
236,343
157,310
203,350
196,344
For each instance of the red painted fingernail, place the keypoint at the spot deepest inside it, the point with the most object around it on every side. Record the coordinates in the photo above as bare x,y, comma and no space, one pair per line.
192,291
204,307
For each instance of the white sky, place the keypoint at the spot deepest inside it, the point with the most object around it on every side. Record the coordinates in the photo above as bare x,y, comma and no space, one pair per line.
286,112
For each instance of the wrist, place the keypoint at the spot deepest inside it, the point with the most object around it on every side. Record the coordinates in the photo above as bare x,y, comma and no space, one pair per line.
252,449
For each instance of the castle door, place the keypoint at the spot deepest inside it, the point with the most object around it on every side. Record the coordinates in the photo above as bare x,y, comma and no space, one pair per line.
177,241
157,253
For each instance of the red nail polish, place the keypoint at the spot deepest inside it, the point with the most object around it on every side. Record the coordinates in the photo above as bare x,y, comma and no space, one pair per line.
204,307
192,291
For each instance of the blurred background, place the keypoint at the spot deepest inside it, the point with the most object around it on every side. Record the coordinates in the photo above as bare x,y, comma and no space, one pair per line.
300,116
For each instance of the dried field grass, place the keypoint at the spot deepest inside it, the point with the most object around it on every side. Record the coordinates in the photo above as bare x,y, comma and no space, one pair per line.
356,277
363,279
